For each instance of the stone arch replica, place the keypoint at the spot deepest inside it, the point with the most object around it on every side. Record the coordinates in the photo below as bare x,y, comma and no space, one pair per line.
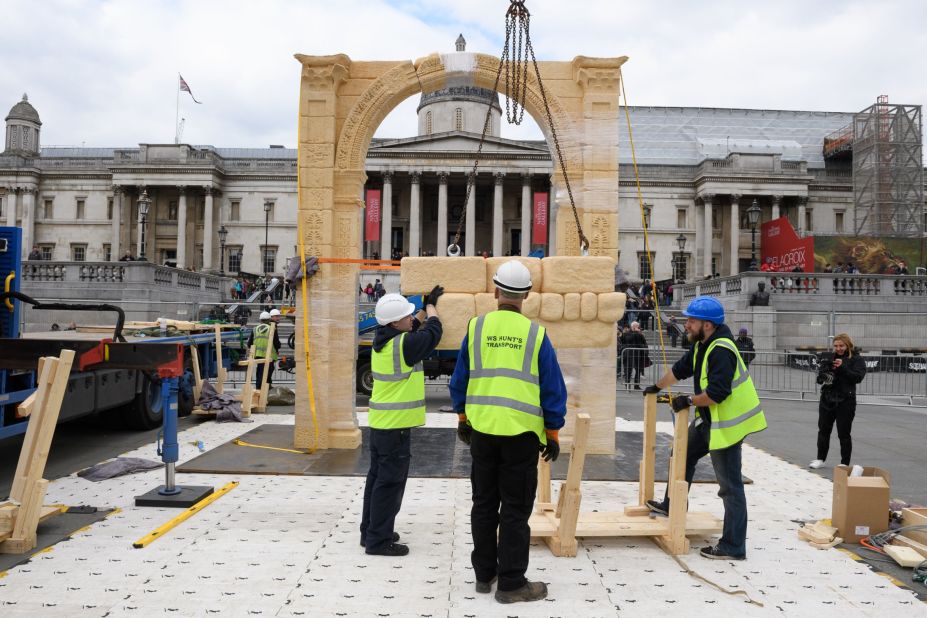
342,102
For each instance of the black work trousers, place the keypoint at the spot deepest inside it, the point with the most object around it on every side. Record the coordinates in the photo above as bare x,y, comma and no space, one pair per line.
259,374
504,478
842,414
390,454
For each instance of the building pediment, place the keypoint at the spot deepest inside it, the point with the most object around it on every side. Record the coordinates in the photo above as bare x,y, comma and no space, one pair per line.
456,141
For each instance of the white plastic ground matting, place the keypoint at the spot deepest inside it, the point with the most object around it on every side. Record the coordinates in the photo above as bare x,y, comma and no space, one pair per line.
289,546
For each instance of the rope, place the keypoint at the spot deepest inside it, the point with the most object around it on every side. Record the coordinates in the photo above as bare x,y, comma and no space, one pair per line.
272,448
702,578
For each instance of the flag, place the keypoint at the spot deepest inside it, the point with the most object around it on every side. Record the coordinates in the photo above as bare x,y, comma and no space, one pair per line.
186,88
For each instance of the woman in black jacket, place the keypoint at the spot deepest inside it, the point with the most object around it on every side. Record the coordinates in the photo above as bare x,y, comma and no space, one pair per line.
838,380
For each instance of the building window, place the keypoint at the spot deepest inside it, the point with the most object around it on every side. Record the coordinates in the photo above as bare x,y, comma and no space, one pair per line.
716,218
49,210
809,219
78,253
80,211
169,257
269,212
27,134
680,267
648,215
428,123
235,211
682,218
644,265
172,211
200,211
838,222
48,251
107,253
109,208
269,258
234,254
458,119
198,257
714,264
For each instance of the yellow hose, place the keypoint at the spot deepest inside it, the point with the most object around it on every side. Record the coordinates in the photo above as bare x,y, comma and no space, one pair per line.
6,288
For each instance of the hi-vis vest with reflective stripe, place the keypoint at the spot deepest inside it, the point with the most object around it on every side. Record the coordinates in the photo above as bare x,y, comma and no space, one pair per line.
261,337
398,399
740,414
503,394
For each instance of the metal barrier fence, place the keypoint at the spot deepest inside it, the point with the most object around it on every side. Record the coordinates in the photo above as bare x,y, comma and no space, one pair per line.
790,373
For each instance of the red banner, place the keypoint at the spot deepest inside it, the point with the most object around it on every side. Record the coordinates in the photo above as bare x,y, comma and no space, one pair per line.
783,250
539,229
373,215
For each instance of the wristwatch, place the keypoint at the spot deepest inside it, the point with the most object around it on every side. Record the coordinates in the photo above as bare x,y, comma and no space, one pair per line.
689,399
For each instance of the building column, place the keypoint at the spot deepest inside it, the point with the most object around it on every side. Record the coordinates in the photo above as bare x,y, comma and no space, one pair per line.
28,221
114,250
182,228
442,214
526,207
470,241
735,234
497,215
386,208
707,233
776,200
207,229
415,215
802,203
138,226
12,205
699,226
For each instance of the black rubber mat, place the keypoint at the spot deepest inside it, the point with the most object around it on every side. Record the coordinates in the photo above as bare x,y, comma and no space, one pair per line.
436,453
54,530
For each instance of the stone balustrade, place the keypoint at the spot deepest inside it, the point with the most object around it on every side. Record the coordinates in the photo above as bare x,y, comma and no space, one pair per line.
38,272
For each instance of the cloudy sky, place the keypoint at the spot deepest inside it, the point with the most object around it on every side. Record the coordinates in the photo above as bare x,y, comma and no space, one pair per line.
104,73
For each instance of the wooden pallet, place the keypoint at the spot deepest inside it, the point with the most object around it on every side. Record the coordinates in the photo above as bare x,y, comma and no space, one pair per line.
20,517
561,523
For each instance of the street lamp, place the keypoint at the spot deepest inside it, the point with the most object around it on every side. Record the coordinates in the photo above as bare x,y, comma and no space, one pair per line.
681,243
753,217
144,203
223,234
267,207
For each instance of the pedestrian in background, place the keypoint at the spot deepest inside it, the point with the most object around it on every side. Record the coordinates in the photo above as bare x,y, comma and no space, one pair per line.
634,351
838,378
745,346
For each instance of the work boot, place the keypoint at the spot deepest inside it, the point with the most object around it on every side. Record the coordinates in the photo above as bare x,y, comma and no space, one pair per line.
660,508
389,549
395,539
485,587
716,553
531,591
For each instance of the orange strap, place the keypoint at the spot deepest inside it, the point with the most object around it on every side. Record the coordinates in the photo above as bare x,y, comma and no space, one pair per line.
364,264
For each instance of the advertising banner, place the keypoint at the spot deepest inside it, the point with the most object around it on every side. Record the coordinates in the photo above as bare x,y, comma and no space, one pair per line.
872,255
783,250
539,229
373,215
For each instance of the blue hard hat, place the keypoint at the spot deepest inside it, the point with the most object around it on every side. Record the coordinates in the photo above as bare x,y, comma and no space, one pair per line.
706,308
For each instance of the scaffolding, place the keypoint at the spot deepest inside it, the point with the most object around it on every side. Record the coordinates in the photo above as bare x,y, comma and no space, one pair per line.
888,173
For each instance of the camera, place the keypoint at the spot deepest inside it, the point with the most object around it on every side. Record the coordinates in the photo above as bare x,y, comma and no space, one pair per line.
825,371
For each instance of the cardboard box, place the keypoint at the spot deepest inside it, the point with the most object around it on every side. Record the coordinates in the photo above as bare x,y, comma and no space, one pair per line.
860,505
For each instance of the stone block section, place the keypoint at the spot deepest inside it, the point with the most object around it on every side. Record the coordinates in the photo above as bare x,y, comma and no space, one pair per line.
578,334
551,307
455,310
531,308
611,307
485,303
571,306
533,264
564,274
589,306
464,275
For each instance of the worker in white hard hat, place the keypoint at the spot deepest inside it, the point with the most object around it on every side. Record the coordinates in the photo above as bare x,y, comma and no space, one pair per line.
510,397
275,316
397,404
259,339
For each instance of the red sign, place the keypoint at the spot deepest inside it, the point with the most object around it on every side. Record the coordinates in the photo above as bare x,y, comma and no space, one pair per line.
783,250
373,215
539,229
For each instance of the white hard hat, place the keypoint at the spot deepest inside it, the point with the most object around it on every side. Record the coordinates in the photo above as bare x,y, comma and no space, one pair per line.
265,315
274,312
513,276
392,307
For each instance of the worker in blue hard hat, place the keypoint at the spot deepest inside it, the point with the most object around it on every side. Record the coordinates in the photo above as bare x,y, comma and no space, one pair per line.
728,409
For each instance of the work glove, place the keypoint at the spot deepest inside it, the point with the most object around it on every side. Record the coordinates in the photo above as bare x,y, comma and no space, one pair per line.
464,432
551,451
433,296
653,389
681,402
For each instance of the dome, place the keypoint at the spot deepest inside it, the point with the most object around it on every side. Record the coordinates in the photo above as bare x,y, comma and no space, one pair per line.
460,93
24,111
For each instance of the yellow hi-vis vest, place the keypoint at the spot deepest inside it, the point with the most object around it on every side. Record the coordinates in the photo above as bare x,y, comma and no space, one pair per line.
398,399
503,394
261,343
741,413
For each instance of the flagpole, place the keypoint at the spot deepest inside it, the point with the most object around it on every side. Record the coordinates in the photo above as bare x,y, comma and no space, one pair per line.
177,112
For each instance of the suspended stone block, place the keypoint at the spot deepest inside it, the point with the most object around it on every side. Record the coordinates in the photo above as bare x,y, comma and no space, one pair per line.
564,274
456,311
533,265
465,275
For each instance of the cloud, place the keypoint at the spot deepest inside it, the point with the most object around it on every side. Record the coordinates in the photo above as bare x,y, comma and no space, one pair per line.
104,73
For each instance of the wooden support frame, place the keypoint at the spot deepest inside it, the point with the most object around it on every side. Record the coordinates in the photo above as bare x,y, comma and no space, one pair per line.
221,373
256,398
197,375
20,517
560,524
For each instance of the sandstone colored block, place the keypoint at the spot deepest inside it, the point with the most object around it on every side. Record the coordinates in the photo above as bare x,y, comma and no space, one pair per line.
579,334
571,306
531,308
456,311
533,264
563,274
464,275
589,306
611,307
551,307
485,303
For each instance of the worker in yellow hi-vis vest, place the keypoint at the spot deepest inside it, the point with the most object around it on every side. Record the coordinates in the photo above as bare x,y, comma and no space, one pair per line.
728,409
259,339
397,404
510,397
